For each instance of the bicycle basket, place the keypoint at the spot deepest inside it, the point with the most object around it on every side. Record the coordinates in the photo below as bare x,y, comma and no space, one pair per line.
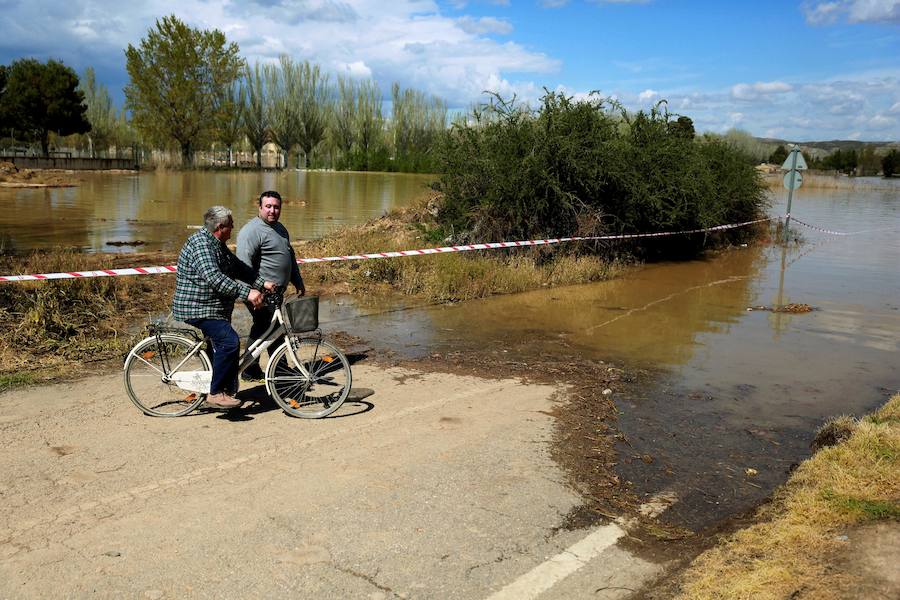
301,314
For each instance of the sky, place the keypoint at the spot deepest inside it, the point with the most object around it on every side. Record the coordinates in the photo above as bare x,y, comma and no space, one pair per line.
797,70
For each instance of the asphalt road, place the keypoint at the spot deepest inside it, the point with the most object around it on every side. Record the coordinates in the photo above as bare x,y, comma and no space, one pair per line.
424,485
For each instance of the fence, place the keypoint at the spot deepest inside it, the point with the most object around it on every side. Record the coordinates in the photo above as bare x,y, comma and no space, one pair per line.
76,164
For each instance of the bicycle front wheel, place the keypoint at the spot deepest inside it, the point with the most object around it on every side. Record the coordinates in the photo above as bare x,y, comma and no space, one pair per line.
149,368
316,390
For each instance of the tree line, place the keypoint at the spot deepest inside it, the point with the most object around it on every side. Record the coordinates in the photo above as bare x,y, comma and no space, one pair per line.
190,90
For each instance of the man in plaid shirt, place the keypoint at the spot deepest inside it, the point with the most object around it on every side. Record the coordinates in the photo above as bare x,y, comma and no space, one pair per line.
208,281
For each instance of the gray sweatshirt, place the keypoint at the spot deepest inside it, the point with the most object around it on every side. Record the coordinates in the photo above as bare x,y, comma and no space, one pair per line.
267,250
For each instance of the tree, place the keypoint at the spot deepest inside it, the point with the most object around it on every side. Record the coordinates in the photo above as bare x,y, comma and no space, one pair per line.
100,112
283,85
779,155
231,123
178,81
369,123
314,93
256,113
343,122
3,79
683,128
43,98
890,163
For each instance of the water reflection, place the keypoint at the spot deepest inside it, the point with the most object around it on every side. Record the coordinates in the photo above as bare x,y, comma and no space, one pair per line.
157,207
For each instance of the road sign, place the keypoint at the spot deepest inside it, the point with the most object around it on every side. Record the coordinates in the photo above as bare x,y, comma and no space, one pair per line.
801,162
793,180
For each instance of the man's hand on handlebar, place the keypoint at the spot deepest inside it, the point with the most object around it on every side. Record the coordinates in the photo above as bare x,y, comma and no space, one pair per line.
255,298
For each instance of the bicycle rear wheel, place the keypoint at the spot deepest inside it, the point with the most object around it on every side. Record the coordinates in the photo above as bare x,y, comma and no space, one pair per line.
314,396
147,372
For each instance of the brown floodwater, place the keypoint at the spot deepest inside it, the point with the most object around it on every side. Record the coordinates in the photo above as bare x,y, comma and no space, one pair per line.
157,208
720,388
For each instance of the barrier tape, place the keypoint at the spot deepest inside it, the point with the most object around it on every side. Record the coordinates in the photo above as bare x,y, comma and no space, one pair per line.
393,254
796,220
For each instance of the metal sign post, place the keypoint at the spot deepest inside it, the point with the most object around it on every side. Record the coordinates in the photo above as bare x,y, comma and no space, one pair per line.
792,180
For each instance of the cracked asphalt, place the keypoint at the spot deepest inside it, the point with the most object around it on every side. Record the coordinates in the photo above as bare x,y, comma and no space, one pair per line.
424,485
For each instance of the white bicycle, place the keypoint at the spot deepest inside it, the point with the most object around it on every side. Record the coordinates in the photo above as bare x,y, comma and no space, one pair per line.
168,374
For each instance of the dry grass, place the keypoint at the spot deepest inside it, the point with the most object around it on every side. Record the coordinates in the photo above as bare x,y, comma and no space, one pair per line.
445,277
788,554
54,328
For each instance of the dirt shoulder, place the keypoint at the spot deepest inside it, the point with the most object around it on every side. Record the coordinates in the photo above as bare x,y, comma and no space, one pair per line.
832,531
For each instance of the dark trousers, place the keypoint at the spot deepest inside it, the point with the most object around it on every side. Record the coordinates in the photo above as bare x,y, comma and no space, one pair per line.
226,353
262,318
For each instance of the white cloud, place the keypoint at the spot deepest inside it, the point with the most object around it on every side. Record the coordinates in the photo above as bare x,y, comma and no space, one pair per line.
408,41
648,96
484,25
855,11
753,92
895,108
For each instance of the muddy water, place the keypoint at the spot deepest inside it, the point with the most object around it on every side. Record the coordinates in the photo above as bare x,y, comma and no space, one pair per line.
156,208
720,389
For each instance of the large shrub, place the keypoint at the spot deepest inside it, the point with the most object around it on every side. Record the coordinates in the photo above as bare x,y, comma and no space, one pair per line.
588,167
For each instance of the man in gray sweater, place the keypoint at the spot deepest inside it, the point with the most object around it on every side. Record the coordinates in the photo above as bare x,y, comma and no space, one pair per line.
265,245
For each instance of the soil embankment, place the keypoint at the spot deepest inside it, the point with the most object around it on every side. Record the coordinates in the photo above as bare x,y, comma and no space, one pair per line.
12,176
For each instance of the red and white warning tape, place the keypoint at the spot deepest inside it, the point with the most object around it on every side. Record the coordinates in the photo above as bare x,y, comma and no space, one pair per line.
394,254
796,220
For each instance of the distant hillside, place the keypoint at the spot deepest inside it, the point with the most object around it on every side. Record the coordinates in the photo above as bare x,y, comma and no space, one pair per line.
832,145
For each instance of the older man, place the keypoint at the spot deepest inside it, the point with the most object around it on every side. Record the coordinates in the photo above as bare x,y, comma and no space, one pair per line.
265,245
208,281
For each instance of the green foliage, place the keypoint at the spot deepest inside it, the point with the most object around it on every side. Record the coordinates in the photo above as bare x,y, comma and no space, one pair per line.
844,161
179,80
416,126
575,168
890,163
682,127
100,113
313,97
40,99
779,155
14,380
283,83
862,508
256,118
755,150
230,129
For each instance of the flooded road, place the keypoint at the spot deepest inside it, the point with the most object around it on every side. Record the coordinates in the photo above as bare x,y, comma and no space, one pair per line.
721,389
157,207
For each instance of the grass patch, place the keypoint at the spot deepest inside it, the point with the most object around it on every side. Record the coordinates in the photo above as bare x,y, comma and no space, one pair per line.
447,277
787,554
13,380
864,510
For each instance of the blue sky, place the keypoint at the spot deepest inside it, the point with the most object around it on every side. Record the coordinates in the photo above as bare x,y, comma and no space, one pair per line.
807,70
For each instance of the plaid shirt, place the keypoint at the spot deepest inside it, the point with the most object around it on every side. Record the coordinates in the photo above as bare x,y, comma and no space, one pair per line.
206,282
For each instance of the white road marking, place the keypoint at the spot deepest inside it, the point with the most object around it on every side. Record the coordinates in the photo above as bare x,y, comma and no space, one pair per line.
555,569
549,573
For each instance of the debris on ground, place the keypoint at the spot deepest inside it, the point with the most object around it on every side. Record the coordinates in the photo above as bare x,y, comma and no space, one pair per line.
784,308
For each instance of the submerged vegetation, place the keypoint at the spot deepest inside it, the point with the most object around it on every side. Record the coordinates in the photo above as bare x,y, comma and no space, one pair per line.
853,480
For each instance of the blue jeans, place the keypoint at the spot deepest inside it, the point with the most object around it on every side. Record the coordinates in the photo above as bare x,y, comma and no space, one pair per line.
226,353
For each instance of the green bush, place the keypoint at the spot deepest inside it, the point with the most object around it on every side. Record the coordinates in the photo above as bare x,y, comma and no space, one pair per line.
587,168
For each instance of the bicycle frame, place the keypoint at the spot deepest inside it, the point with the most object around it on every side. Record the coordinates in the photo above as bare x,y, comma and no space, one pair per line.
276,329
200,381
